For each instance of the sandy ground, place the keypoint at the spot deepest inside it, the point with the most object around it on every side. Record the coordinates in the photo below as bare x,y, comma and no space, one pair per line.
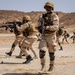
64,62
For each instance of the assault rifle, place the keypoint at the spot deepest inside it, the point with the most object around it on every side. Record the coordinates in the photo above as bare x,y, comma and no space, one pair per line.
42,25
41,28
10,25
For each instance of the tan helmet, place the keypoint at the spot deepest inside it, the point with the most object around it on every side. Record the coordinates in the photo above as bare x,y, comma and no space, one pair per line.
16,20
27,18
49,4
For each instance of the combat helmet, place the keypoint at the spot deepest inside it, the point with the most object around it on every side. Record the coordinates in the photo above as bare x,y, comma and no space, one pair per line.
49,4
16,20
26,18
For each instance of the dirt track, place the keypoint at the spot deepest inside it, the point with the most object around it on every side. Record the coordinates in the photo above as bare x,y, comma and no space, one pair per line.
64,62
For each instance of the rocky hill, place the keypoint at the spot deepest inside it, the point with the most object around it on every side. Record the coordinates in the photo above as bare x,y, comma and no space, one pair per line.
66,19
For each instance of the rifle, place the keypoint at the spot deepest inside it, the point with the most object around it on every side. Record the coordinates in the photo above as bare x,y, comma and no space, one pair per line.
10,25
42,25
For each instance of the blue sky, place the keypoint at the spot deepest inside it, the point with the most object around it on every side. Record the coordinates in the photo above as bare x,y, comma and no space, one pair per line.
37,5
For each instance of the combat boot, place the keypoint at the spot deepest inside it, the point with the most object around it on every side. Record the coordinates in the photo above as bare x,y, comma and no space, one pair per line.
61,48
28,59
43,69
51,67
9,53
23,54
19,56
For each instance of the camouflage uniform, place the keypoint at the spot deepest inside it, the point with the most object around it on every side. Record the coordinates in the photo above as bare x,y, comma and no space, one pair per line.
59,37
48,39
26,33
18,40
30,38
73,37
65,36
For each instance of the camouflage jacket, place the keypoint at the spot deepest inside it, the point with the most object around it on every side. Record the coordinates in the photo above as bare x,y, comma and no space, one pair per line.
27,29
51,23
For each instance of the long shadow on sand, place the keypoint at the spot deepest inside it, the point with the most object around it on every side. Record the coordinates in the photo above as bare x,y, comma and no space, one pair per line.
10,63
25,74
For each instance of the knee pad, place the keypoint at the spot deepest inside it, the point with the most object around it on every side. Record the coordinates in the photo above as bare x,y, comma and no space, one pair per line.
19,46
42,54
13,45
51,55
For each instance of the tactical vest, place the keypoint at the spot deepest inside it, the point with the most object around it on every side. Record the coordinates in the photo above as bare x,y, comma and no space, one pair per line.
48,21
29,30
16,32
48,18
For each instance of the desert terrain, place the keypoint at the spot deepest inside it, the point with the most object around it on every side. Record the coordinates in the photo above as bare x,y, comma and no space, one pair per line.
64,60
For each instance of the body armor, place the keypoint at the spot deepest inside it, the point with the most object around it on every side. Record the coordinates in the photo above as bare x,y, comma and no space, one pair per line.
47,22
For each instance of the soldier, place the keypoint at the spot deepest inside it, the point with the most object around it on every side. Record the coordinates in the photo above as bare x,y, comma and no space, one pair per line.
20,36
48,28
30,38
18,40
59,37
65,37
73,37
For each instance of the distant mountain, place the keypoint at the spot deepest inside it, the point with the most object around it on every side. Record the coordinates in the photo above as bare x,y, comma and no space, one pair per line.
66,19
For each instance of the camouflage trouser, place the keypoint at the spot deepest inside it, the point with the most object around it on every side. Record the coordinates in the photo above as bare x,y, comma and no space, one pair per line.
17,41
74,40
59,41
66,39
30,48
47,43
26,44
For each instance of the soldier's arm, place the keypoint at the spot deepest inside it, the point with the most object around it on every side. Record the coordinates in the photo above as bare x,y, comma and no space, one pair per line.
22,27
55,21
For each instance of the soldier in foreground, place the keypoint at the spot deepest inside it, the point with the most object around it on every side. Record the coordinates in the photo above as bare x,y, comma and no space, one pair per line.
48,28
30,38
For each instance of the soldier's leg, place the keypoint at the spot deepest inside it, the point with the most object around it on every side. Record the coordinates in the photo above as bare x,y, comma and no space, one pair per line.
43,60
73,40
61,48
42,54
28,56
63,40
20,55
21,52
24,46
51,49
66,40
52,58
35,56
12,48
